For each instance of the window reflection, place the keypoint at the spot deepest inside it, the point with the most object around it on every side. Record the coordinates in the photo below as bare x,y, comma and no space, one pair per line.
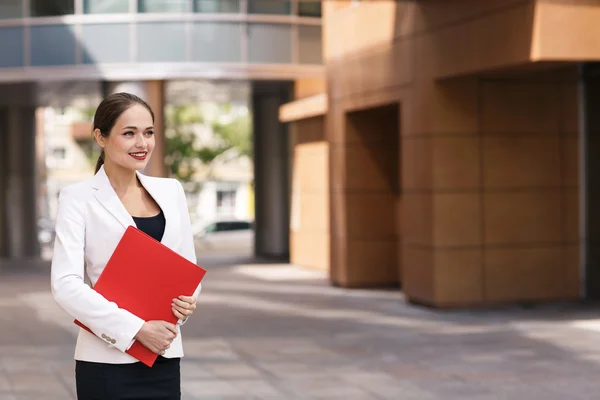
11,9
217,6
162,6
105,6
269,7
50,8
309,9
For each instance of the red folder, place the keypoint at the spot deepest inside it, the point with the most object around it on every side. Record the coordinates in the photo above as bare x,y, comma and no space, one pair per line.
143,276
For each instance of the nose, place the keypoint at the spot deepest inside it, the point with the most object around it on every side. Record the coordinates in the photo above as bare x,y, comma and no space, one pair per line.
140,142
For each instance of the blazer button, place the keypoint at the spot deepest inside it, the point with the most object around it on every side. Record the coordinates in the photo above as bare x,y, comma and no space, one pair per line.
113,341
104,336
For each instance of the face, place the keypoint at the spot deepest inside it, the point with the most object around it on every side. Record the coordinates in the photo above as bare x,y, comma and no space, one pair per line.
131,140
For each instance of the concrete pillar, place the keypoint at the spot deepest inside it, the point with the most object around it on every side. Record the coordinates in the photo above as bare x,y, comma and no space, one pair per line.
153,93
18,194
590,178
271,170
3,175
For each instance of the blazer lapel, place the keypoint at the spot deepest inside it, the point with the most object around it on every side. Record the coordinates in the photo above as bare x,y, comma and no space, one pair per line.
163,198
108,198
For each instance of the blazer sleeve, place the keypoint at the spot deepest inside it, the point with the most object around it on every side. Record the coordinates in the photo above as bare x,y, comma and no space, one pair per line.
187,248
116,326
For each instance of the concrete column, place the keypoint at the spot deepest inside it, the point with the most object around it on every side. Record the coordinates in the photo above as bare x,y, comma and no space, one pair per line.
19,195
3,175
153,93
271,170
590,178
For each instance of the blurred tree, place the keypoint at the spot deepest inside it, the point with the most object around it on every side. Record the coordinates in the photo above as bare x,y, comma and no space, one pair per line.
186,152
236,134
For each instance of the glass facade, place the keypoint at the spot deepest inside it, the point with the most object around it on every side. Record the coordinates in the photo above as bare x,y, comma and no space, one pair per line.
11,9
269,43
282,7
309,9
309,45
216,42
106,43
44,49
162,6
11,47
161,42
178,31
51,8
105,6
217,6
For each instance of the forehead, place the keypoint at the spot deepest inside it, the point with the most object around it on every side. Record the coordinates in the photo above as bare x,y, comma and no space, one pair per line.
137,116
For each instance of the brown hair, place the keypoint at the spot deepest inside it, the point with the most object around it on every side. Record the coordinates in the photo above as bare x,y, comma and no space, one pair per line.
108,112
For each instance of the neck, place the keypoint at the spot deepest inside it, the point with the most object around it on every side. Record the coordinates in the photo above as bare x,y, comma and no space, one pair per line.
121,179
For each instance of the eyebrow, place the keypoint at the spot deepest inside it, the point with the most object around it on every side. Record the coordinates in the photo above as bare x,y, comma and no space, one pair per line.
135,127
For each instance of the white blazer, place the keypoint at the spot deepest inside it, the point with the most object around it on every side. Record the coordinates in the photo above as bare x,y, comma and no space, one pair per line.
89,224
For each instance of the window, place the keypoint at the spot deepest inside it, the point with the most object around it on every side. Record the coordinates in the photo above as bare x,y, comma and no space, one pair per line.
59,153
162,6
269,7
309,44
50,8
225,198
217,6
11,46
11,9
309,9
161,42
240,226
44,50
279,39
105,6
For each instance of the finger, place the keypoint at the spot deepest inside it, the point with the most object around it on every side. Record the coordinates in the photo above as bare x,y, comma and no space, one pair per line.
182,311
188,299
182,303
171,327
178,314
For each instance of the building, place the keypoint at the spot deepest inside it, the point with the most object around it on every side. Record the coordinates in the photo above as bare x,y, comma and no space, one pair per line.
53,51
451,150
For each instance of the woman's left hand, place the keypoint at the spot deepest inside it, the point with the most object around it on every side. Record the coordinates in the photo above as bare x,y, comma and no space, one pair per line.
183,306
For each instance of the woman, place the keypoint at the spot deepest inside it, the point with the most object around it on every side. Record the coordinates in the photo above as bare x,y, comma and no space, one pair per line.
92,216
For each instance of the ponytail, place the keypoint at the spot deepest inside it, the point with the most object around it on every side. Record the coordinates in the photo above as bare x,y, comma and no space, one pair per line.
100,162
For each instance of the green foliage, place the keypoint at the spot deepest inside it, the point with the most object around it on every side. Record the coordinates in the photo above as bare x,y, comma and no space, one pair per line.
185,153
237,134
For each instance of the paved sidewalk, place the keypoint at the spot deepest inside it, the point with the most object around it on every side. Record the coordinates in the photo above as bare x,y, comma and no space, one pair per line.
274,332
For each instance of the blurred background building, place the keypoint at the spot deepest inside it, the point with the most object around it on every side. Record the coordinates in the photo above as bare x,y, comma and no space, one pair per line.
215,73
443,147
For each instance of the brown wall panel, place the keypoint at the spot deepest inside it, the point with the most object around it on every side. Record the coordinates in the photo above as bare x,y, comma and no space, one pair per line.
487,165
309,219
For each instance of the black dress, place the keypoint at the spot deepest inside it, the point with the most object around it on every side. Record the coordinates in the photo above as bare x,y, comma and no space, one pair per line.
101,381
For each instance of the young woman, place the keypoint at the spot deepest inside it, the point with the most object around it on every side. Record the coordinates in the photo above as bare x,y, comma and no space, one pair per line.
92,217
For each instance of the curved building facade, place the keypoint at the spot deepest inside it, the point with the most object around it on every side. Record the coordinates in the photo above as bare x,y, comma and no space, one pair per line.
159,39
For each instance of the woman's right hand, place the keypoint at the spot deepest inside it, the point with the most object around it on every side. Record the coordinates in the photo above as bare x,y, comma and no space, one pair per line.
157,335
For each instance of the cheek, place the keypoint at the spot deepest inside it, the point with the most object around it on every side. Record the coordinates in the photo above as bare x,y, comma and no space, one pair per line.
150,143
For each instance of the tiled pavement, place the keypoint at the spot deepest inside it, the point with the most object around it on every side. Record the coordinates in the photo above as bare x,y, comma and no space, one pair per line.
271,332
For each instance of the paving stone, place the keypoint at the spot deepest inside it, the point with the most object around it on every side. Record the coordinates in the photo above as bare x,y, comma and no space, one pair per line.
253,337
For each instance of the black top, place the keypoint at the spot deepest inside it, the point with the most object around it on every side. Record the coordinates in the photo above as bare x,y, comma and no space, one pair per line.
152,226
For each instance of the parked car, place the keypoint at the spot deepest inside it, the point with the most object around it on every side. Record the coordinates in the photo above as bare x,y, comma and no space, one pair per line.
227,236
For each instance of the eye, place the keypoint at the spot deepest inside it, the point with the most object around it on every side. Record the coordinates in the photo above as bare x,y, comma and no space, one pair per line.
128,133
149,133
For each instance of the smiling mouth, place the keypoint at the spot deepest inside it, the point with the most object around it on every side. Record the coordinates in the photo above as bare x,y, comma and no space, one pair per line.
139,156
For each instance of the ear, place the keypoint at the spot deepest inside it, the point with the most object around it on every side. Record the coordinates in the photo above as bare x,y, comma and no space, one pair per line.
99,138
